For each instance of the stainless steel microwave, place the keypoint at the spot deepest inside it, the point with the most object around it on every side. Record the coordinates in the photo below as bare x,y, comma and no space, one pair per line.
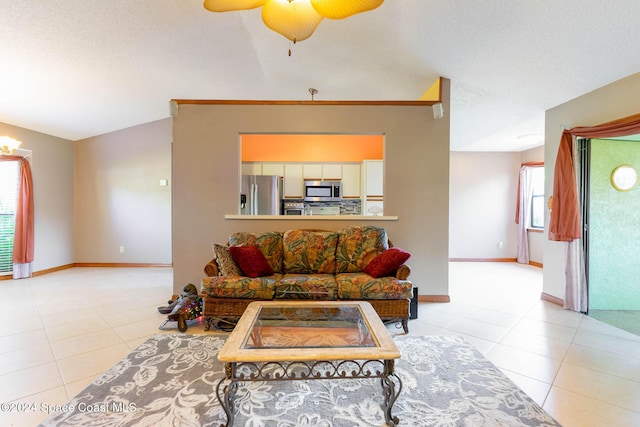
322,191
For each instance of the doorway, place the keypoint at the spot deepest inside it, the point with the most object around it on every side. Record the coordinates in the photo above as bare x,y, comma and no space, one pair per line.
611,235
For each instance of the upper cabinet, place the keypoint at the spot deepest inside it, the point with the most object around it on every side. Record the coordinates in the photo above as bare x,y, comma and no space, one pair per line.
295,173
273,169
312,171
293,181
373,178
351,180
318,171
332,171
251,168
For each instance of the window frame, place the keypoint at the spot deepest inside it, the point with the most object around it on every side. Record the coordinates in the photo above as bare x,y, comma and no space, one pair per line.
8,212
536,196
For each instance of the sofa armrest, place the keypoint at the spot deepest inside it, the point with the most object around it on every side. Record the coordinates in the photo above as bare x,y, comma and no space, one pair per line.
403,272
211,269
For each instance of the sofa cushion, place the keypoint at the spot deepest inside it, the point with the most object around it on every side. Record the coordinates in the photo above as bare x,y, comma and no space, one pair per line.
226,265
240,286
251,261
310,251
358,286
387,262
270,244
358,246
307,286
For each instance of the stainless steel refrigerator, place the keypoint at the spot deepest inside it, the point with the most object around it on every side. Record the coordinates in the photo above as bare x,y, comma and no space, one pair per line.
260,195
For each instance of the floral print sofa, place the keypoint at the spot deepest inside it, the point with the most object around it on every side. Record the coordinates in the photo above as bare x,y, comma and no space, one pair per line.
309,264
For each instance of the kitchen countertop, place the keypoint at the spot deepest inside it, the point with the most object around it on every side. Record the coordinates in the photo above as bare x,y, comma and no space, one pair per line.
315,217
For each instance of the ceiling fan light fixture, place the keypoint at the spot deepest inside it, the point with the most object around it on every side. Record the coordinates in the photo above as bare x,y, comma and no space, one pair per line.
295,19
8,145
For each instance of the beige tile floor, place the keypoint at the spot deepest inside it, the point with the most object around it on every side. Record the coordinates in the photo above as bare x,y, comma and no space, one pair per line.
58,332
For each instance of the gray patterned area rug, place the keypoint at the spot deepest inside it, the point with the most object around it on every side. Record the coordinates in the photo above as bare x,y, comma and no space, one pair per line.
170,380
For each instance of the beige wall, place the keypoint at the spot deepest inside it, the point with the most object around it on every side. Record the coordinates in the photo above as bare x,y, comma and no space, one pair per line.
52,170
608,103
482,205
483,194
533,155
118,197
206,174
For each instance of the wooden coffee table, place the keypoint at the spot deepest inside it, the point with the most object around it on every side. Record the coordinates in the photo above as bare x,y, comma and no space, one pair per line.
309,340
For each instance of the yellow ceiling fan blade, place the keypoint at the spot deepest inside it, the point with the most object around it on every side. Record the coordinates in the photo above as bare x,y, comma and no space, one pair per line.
231,5
339,9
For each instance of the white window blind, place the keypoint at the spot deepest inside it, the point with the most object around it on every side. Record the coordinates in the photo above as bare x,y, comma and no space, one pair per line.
9,176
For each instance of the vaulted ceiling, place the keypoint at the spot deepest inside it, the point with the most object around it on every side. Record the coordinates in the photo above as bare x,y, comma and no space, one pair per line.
77,68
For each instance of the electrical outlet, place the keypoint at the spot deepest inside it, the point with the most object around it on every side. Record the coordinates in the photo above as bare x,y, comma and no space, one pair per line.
121,249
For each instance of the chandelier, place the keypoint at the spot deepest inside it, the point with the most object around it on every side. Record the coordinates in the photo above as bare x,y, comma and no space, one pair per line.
295,19
8,145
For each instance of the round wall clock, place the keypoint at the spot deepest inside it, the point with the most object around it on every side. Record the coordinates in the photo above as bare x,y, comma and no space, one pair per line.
624,177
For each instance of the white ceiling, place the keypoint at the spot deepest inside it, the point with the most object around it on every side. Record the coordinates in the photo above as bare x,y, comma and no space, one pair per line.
78,68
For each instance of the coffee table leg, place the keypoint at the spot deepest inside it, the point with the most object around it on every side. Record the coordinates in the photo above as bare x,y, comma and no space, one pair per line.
390,393
227,394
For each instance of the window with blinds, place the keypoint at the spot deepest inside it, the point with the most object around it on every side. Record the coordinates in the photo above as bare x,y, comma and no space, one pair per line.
9,176
537,197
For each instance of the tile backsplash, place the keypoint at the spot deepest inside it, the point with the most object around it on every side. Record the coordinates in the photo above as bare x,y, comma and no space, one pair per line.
347,206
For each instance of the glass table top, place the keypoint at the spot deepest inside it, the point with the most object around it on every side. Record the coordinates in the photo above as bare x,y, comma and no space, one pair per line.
294,330
312,326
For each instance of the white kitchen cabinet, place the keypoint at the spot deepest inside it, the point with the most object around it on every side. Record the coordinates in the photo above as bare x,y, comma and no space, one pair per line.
293,181
332,171
251,168
373,178
351,180
273,169
351,174
312,171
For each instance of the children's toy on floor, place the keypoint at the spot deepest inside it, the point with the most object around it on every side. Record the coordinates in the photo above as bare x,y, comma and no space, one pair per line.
187,306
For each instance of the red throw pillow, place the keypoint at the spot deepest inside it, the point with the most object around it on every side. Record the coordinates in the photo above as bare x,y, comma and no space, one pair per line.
387,262
251,261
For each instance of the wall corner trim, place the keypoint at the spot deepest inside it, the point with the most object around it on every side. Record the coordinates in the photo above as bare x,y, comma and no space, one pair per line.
554,300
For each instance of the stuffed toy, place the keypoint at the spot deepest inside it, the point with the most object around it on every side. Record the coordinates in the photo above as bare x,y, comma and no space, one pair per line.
187,306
